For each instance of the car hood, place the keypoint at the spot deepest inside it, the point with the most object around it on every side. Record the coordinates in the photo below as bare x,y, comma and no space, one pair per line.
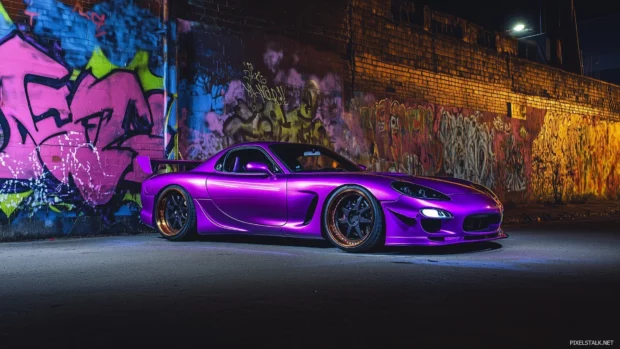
443,185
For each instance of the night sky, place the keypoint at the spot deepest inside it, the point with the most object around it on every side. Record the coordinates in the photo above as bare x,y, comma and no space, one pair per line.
597,24
500,15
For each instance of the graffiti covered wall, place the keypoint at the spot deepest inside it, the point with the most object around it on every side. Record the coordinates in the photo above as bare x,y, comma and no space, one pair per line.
576,156
84,89
432,140
81,95
237,88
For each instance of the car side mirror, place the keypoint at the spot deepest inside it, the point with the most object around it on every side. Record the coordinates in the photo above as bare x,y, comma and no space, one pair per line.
258,167
364,168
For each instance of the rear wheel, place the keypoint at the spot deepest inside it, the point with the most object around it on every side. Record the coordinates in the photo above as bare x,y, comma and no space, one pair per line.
175,216
353,220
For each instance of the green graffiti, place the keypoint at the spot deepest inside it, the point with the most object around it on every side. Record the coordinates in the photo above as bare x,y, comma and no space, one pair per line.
5,15
67,207
100,66
129,197
10,202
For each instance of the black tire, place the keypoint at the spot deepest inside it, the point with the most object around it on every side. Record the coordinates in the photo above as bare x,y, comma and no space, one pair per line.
353,220
175,215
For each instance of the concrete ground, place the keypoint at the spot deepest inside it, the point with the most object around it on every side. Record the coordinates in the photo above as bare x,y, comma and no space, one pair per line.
547,284
528,213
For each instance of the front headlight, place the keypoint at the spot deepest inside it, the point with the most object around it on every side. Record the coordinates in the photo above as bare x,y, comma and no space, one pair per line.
435,213
418,191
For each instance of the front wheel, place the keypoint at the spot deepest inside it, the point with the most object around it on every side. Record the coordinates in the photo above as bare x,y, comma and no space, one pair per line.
175,215
353,220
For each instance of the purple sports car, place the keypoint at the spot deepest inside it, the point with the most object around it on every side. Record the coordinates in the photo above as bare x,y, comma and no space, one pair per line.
302,190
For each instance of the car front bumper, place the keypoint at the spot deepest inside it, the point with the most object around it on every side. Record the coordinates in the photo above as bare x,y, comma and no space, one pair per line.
406,226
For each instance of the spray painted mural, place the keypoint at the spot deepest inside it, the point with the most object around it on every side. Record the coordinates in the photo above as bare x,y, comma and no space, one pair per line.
81,95
430,140
547,157
235,89
576,157
253,88
243,88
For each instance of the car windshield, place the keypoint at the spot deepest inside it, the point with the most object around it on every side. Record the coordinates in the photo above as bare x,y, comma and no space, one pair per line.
310,158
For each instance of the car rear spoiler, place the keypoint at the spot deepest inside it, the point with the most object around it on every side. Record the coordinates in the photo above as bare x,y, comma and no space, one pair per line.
149,165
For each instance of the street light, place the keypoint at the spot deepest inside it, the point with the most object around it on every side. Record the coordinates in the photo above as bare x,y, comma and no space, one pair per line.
519,27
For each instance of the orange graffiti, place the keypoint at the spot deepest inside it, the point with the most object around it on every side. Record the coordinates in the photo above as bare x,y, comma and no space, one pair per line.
97,19
415,119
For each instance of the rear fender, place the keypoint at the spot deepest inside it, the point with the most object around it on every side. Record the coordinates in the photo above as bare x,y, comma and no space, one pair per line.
148,165
194,182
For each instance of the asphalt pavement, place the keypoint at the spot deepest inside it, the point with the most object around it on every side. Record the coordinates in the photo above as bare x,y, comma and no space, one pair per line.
546,285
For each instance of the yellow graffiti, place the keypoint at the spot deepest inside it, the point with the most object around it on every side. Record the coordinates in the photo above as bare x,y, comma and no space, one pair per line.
400,124
382,111
574,156
268,121
5,15
100,66
409,118
10,202
255,85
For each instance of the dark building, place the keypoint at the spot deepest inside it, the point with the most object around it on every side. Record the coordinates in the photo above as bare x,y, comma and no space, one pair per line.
601,51
549,36
559,23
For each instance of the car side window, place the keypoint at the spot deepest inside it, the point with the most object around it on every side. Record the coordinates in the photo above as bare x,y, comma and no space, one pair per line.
236,160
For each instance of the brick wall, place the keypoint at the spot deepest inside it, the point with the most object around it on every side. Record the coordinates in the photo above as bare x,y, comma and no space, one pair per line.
81,95
388,84
403,46
17,8
486,79
419,91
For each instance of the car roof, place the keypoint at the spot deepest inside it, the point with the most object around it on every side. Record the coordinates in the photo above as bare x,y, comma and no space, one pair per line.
260,143
209,163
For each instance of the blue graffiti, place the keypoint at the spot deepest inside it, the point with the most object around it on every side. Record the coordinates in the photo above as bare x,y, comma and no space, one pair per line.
200,98
119,27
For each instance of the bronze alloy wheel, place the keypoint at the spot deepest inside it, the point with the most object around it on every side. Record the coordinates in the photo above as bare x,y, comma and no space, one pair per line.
351,218
172,212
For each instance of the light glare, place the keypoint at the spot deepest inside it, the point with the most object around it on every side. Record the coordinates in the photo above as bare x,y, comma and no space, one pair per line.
519,27
432,213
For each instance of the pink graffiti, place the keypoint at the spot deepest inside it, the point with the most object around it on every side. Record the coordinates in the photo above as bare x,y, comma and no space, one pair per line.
272,59
90,132
31,15
183,26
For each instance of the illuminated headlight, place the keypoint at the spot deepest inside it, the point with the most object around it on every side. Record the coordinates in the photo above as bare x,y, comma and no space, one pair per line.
418,191
435,213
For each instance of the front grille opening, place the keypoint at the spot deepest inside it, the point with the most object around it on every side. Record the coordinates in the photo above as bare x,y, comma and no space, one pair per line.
480,222
437,238
431,225
481,237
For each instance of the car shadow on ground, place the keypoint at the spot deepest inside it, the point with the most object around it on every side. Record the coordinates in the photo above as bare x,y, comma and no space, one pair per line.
472,247
266,240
